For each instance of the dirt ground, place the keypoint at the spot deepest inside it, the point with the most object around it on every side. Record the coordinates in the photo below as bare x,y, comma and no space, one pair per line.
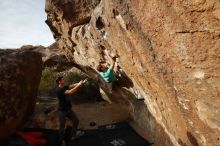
101,113
97,113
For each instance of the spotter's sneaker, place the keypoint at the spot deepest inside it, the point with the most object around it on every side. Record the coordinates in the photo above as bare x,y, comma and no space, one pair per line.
78,134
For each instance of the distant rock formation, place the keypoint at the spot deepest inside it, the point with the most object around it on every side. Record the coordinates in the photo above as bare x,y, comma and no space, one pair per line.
20,73
52,56
169,50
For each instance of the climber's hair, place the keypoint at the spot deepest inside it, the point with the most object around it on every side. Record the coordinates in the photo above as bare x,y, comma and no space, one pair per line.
99,67
59,79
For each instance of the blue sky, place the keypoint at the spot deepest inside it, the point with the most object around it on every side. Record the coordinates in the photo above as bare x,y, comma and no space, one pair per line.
22,23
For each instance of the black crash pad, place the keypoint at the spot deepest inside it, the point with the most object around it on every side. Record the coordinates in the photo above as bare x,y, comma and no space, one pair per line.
117,134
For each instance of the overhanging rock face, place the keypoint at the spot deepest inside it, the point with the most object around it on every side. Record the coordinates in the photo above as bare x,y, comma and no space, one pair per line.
19,80
169,50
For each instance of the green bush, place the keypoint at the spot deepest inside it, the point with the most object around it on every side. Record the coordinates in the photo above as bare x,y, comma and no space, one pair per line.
47,82
73,77
88,91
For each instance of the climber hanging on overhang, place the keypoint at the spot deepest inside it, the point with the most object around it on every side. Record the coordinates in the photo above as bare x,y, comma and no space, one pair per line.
110,72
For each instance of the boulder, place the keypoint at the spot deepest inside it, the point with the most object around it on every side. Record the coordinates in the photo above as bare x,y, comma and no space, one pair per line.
19,80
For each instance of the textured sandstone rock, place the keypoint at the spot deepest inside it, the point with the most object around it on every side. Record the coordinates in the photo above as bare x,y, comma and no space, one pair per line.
19,79
170,51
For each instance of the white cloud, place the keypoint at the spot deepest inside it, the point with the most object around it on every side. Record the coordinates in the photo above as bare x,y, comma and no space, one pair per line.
22,23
